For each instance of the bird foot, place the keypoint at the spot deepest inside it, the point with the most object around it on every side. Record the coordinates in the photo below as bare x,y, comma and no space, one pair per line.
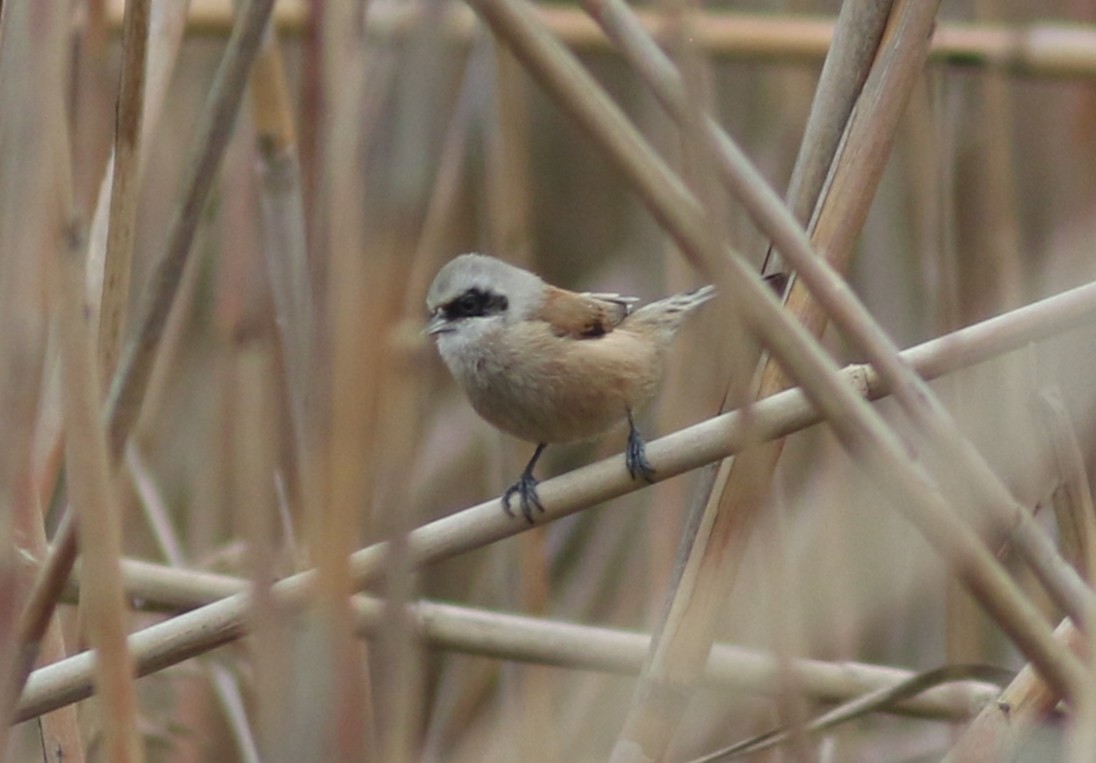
526,488
635,457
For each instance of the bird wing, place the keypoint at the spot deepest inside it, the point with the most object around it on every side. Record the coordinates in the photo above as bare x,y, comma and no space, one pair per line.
583,316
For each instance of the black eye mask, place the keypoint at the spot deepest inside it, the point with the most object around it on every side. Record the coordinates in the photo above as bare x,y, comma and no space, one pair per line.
475,303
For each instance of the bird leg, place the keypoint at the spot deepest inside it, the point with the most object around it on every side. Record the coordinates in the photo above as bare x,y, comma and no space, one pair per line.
635,457
526,487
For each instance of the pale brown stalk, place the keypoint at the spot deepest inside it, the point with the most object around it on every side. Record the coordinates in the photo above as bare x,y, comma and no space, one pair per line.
91,485
311,374
125,174
222,621
858,428
978,483
211,138
224,682
1025,703
1075,516
709,571
283,232
339,473
529,705
285,248
256,516
35,193
524,638
1043,49
135,366
167,25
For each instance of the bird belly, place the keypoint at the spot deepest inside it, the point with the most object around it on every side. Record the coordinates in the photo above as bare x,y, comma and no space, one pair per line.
564,390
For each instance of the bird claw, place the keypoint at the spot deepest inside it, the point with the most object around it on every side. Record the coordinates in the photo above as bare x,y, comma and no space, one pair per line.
635,457
526,488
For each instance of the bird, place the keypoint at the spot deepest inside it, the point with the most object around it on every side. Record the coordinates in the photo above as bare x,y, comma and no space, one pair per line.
548,365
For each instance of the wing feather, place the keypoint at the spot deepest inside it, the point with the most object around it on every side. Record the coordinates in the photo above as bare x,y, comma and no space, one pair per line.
583,316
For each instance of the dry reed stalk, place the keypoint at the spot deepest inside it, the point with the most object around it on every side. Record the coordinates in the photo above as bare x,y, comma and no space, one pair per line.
410,210
398,502
135,365
59,733
984,488
165,366
987,279
458,687
35,186
285,247
1023,705
428,201
224,682
167,24
858,428
258,418
1042,49
91,485
709,571
527,639
844,73
451,174
222,621
90,99
528,690
1046,561
1075,517
718,345
509,153
114,301
1075,514
995,267
283,232
1036,546
218,487
847,67
339,717
979,484
60,730
211,137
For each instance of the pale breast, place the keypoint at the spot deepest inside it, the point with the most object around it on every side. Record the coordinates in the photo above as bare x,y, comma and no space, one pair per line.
545,388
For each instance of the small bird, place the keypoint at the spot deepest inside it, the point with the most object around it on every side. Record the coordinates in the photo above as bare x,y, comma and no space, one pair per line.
549,365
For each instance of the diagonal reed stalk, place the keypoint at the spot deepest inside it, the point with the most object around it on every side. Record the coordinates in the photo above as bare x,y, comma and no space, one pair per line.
125,174
34,183
135,365
89,472
1035,49
393,444
858,428
523,638
222,621
738,494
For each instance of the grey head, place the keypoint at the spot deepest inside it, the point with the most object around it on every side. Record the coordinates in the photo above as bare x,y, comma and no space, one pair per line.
473,289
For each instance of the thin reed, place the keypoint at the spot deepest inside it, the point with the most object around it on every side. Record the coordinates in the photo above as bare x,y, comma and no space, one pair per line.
247,514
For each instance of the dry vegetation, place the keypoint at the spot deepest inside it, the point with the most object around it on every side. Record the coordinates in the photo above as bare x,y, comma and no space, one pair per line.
231,462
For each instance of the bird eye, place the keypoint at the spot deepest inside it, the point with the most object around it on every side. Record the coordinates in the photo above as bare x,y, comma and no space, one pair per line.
470,303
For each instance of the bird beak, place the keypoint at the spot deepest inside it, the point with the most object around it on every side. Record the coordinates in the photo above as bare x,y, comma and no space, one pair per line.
438,324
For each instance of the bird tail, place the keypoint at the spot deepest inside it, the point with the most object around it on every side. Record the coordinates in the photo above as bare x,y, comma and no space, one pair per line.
666,315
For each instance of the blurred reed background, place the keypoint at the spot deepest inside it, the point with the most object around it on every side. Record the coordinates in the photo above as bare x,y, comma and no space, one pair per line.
215,241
